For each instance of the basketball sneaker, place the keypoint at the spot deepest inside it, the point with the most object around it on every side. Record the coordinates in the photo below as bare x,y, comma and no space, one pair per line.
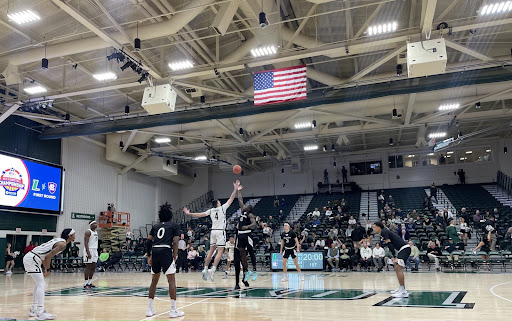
302,277
176,313
246,283
401,294
32,313
45,316
150,312
204,275
225,275
254,275
237,287
395,291
285,279
247,276
92,286
211,273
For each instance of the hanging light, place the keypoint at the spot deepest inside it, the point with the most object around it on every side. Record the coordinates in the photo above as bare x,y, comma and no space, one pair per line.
264,153
126,110
395,112
136,44
263,20
282,170
334,164
44,61
390,141
333,148
313,123
325,148
241,131
505,149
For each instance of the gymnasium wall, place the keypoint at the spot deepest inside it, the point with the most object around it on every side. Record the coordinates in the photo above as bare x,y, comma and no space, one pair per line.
270,182
92,182
505,160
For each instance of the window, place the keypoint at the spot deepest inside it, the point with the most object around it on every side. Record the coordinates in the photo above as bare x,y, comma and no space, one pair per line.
431,159
464,156
449,158
396,161
412,160
366,168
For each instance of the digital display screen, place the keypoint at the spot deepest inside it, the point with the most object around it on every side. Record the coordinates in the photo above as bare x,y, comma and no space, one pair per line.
30,186
307,261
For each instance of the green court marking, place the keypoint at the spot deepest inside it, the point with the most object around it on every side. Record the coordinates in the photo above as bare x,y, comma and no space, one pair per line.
443,299
214,292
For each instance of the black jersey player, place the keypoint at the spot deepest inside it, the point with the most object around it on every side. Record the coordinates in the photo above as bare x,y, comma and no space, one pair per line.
162,249
290,247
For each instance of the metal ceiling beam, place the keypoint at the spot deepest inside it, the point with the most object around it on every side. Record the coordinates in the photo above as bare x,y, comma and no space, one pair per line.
377,64
467,51
428,17
369,20
447,10
213,89
301,26
410,107
266,131
9,112
226,128
132,165
412,14
361,118
129,140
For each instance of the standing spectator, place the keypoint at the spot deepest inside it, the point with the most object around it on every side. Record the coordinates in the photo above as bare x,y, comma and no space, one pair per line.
414,257
484,247
333,255
9,260
357,235
447,215
193,258
283,203
29,248
129,237
344,173
451,232
230,251
74,250
433,253
492,223
276,202
182,254
433,192
326,177
366,256
464,230
378,256
345,258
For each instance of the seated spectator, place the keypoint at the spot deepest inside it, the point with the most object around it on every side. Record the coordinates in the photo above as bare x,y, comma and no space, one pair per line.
201,252
333,233
116,258
328,213
312,247
433,253
399,213
267,230
191,235
337,242
477,218
320,244
413,257
349,230
366,256
102,259
296,223
283,203
267,246
345,258
508,235
378,256
333,255
316,212
328,204
447,215
439,220
427,204
230,227
368,227
352,220
193,258
73,251
272,223
427,221
316,222
410,225
276,202
132,248
338,211
282,216
404,234
450,247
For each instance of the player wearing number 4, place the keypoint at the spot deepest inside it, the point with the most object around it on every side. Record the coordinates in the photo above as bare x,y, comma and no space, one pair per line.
218,233
162,249
291,246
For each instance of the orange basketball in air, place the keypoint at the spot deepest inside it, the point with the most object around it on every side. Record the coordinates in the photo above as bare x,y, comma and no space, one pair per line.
237,169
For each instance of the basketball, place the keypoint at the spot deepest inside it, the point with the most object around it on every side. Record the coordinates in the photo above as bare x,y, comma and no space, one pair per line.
237,169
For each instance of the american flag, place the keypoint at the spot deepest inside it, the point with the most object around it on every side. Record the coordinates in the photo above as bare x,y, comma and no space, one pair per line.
278,85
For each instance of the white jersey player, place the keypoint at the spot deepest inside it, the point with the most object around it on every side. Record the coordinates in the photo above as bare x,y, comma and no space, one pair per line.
37,265
90,254
218,233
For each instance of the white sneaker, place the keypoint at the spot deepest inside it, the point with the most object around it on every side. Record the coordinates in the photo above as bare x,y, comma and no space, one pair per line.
204,275
45,316
284,279
302,277
176,313
401,294
32,313
211,273
8,273
225,276
395,291
150,312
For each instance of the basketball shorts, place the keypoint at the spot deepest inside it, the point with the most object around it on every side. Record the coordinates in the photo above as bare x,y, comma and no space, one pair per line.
94,256
218,238
32,263
403,255
162,261
290,252
244,241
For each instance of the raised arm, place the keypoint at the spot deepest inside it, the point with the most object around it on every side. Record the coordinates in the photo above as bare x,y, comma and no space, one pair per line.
240,198
233,194
187,212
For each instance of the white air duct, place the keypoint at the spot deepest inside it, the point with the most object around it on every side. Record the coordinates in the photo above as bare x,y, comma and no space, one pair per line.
152,166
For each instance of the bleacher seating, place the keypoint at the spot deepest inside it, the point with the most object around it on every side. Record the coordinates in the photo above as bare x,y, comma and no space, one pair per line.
407,199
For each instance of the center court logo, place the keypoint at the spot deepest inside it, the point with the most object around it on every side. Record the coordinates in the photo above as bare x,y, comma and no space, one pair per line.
12,182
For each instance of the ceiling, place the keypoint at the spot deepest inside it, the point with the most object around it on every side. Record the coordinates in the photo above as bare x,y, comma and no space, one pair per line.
346,68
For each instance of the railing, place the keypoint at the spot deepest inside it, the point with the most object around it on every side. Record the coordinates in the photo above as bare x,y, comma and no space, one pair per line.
505,182
194,206
110,219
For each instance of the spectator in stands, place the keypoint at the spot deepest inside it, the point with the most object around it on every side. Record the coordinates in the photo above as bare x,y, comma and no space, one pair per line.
116,258
349,230
333,255
74,250
29,248
337,242
316,222
378,256
328,212
357,235
283,203
328,204
477,218
368,227
427,204
433,192
413,257
182,255
272,222
267,230
296,223
447,215
484,246
345,218
464,229
276,202
230,227
316,213
102,259
344,258
352,220
439,220
433,253
339,211
129,236
131,248
508,235
427,221
366,256
399,213
450,247
282,216
496,213
193,258
320,244
404,234
333,233
465,215
410,226
201,252
451,232
183,224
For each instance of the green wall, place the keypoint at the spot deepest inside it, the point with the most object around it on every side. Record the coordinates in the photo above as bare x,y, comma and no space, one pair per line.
3,246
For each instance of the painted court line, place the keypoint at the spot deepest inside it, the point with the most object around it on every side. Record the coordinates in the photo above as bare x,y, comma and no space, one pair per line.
497,295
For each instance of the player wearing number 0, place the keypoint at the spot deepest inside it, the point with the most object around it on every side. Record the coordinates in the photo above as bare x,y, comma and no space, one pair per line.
162,249
394,241
218,233
37,265
291,246
244,241
90,254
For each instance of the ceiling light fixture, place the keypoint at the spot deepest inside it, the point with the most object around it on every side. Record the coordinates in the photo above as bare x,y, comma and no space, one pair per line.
23,17
333,148
390,141
200,158
126,110
469,152
241,131
449,106
437,135
136,43
162,140
382,28
449,153
478,105
35,90
264,153
303,125
264,51
180,65
325,148
496,8
105,76
430,154
488,151
310,147
263,20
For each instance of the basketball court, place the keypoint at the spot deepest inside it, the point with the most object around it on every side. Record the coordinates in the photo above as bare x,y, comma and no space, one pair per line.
322,296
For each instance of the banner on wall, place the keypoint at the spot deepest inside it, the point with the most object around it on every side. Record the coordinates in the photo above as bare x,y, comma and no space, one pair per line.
82,216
